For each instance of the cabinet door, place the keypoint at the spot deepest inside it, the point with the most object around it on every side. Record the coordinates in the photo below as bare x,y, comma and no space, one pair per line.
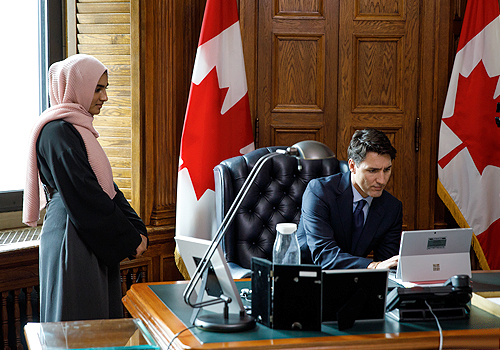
297,60
378,84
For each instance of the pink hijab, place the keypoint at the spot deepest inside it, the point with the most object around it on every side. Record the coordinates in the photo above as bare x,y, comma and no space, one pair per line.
72,84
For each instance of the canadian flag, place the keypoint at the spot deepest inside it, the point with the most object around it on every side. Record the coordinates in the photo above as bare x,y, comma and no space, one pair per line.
469,145
217,125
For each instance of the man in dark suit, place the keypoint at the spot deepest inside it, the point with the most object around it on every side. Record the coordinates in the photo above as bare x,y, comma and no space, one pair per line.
347,216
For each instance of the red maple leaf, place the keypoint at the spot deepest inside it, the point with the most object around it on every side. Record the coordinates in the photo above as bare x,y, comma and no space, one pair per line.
474,119
209,137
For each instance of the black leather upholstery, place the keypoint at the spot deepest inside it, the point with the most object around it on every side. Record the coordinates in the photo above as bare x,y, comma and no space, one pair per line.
275,197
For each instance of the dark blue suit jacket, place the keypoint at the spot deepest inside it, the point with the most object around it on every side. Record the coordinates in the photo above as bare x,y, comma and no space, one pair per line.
326,220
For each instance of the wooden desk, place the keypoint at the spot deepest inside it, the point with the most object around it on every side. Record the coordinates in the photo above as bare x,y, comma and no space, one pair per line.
482,330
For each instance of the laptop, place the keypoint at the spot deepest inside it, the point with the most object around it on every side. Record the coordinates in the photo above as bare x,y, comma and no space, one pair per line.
433,256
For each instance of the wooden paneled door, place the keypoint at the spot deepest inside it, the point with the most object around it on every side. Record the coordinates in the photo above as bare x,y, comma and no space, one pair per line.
296,85
378,84
326,68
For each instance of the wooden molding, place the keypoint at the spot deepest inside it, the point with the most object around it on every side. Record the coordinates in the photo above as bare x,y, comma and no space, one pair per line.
168,42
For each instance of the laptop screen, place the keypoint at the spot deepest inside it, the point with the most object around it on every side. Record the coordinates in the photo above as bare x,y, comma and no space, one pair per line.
425,242
434,255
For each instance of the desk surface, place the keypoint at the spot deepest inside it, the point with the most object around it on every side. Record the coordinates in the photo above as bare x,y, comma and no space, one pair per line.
147,302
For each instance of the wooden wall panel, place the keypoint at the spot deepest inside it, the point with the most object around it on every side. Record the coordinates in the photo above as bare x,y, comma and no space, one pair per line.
299,7
389,9
248,11
290,135
298,73
169,37
295,86
378,85
377,74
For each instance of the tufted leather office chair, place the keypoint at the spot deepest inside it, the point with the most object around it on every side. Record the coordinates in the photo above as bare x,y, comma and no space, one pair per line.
275,197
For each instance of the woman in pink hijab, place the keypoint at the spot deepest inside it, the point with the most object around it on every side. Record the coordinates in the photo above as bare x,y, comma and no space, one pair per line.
89,226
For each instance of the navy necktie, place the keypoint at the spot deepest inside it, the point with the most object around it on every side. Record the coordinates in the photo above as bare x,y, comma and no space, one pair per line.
358,220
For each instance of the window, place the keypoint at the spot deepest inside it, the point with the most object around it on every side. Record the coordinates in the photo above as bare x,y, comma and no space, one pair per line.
29,45
19,91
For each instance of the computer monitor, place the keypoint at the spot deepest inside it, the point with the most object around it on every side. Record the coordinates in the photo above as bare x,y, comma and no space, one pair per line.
192,251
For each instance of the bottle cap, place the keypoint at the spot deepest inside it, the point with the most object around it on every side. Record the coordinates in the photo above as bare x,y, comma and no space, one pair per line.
286,228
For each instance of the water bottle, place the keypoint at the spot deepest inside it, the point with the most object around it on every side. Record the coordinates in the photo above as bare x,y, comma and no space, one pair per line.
286,249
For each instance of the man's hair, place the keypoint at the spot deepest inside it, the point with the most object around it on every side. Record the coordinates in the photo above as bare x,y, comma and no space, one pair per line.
369,140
